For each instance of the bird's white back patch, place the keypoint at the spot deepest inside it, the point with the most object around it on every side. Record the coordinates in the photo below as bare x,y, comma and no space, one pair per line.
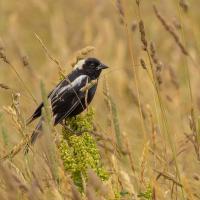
76,83
79,80
80,64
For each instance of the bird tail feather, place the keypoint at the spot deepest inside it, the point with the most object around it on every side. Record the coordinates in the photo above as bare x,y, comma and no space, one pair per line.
36,133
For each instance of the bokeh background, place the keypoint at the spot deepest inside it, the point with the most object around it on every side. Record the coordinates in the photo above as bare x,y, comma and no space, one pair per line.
154,112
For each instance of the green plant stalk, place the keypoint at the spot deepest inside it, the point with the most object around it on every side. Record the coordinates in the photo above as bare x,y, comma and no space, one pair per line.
47,127
5,136
4,132
115,121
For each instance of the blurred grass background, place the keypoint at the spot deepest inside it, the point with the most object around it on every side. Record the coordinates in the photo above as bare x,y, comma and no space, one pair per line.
159,132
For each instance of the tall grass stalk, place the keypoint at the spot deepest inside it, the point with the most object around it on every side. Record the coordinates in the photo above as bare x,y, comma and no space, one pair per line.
52,160
133,63
163,112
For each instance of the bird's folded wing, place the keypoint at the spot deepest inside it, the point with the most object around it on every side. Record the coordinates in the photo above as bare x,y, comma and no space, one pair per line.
66,99
71,89
65,87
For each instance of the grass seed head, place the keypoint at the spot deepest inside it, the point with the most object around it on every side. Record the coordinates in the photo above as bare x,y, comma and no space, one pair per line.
143,35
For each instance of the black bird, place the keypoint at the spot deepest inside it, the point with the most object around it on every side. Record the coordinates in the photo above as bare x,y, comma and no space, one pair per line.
69,98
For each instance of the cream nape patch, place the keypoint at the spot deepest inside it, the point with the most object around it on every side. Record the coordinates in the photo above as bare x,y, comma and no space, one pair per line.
79,64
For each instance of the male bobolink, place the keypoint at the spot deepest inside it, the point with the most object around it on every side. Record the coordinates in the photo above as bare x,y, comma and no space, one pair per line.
69,98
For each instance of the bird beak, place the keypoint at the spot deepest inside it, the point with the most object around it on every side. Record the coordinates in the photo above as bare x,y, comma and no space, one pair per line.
102,66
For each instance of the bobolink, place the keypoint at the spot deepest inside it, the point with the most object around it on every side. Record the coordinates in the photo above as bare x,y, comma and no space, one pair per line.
69,98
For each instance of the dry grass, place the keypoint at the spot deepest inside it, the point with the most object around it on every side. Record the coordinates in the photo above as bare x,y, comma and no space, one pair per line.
147,107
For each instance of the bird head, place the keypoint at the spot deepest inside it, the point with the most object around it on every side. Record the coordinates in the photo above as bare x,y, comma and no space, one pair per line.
91,67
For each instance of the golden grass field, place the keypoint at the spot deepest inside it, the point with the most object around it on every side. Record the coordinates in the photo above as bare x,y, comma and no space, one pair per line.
147,106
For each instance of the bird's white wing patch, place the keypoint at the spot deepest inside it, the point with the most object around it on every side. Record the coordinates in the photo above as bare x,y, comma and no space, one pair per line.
76,83
80,64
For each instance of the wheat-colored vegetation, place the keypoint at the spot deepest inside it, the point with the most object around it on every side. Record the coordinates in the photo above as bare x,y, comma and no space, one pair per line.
141,140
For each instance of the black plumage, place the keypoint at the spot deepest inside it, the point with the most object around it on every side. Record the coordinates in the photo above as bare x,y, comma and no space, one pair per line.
68,99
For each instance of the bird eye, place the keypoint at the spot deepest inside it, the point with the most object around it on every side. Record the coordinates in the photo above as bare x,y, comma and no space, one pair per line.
92,65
